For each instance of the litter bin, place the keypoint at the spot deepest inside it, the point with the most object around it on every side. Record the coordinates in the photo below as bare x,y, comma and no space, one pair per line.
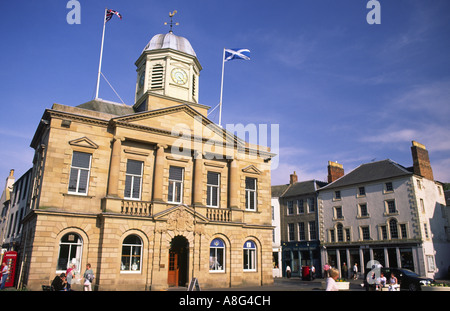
306,275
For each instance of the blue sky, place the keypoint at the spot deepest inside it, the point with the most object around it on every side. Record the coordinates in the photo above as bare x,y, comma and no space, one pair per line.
340,89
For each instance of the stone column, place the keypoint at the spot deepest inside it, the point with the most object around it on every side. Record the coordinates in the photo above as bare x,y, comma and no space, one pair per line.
159,171
198,178
233,184
114,169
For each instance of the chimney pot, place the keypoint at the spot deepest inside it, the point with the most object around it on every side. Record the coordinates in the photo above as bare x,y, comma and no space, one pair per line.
335,171
293,178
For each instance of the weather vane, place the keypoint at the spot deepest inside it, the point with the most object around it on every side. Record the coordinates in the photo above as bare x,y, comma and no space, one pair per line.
171,14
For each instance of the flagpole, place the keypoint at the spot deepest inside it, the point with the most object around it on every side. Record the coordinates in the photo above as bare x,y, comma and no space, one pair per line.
101,56
221,89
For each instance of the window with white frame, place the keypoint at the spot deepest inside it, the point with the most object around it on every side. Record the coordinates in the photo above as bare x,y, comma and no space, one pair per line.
133,180
175,194
393,228
250,194
212,189
300,207
131,254
70,251
217,256
312,230
301,231
249,256
311,205
291,232
79,172
290,207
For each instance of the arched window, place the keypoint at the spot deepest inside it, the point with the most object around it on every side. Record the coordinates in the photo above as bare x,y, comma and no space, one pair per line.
131,254
70,249
393,228
249,256
217,256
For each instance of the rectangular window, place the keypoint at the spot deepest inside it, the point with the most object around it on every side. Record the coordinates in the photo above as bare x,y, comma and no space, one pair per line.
301,231
212,189
337,195
311,205
389,186
291,233
250,194
365,233
332,236
347,234
290,207
430,263
363,210
391,207
403,231
384,234
300,207
312,230
133,180
79,173
362,191
338,212
175,184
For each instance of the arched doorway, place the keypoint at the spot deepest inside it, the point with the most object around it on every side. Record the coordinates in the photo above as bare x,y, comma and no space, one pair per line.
178,261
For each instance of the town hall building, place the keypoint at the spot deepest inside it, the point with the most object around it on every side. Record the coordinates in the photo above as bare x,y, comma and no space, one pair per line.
151,195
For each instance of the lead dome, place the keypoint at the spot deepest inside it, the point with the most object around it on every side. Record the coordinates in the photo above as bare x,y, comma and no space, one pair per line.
170,41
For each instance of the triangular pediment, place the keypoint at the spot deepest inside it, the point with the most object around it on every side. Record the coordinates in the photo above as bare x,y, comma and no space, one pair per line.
179,121
251,169
83,142
180,216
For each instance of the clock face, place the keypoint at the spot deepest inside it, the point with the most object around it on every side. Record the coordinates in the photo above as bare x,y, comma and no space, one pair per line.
179,76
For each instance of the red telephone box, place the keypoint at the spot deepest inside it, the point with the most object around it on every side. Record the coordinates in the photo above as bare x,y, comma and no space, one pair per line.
10,258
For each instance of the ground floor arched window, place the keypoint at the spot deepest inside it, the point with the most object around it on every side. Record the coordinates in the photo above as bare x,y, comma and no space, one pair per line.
249,256
131,254
70,250
217,255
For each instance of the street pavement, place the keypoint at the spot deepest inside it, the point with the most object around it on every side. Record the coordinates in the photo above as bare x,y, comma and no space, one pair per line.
282,284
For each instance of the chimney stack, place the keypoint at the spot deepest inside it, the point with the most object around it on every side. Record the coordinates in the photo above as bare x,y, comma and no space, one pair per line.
335,171
293,178
421,161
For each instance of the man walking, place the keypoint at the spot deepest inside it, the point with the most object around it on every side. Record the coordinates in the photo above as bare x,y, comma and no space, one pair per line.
5,272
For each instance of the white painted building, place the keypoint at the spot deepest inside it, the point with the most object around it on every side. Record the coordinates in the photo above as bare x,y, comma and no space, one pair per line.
383,211
277,192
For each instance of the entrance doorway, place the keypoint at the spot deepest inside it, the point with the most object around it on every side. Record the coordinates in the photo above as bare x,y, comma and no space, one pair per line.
178,261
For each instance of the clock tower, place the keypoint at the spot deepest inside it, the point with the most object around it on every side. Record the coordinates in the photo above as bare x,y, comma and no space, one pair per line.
168,74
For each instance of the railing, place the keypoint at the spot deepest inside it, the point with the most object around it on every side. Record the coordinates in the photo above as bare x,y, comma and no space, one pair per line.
218,214
138,208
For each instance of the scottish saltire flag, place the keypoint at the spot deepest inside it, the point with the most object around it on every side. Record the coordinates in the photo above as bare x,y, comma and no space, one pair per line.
237,54
110,13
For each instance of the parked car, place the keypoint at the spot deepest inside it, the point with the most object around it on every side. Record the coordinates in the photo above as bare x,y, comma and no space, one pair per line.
408,280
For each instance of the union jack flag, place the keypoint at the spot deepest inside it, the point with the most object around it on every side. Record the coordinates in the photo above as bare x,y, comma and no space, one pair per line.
110,13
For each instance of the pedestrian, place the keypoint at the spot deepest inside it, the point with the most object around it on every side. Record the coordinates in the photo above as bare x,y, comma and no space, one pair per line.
312,272
344,271
59,282
5,272
331,280
288,272
355,271
326,268
88,278
70,273
393,283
